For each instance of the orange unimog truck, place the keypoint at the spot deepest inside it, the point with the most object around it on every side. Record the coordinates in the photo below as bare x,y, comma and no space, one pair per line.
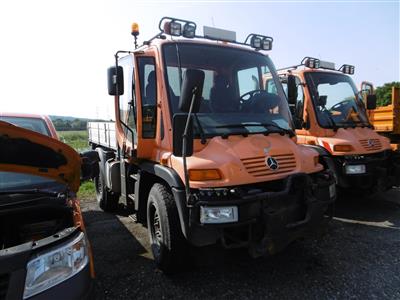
329,114
201,152
385,119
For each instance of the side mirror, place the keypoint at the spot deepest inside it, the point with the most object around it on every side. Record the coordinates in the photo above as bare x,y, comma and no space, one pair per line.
291,89
89,165
179,124
192,86
115,79
371,101
322,100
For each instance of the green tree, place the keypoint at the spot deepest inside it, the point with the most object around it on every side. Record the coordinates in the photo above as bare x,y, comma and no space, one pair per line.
384,93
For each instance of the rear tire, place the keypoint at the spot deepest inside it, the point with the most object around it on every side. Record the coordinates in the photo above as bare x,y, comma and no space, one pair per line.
168,244
106,200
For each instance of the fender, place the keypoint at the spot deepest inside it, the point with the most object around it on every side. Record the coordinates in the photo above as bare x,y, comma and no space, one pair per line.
169,175
176,185
326,159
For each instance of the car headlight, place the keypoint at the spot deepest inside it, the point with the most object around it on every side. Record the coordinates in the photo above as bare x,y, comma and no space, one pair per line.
355,169
218,214
52,267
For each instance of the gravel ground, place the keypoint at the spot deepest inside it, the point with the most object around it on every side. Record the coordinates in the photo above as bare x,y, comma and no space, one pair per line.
357,259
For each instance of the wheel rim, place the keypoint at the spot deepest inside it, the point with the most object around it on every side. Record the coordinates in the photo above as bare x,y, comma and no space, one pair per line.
157,228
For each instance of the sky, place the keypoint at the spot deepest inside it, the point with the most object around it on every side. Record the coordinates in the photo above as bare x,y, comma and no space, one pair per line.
54,54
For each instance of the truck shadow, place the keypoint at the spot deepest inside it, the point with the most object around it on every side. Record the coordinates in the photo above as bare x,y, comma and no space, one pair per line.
382,209
125,268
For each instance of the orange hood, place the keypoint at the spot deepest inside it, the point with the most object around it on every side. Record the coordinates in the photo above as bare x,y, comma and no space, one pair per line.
25,151
242,160
362,140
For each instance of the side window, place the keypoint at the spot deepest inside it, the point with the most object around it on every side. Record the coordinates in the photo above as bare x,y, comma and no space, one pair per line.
300,99
271,87
248,80
127,106
366,89
148,93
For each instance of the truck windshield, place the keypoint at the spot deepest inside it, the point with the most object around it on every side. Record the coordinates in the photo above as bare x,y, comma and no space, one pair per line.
234,100
336,100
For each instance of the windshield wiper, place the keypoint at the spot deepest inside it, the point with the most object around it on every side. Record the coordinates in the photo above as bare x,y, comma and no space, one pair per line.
266,125
30,191
354,123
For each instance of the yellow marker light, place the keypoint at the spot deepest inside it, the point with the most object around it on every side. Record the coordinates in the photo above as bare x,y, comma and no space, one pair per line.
343,148
135,29
311,142
206,174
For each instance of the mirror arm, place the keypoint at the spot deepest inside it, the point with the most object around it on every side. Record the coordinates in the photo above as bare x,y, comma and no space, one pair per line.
184,143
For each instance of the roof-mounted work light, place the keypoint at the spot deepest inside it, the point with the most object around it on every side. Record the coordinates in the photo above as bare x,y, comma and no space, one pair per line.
347,69
189,30
311,62
260,41
173,26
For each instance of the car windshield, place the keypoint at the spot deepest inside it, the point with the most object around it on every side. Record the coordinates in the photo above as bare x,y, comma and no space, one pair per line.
234,100
33,124
336,100
23,181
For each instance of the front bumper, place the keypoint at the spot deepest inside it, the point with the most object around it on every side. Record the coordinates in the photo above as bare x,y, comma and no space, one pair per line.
382,171
270,215
13,273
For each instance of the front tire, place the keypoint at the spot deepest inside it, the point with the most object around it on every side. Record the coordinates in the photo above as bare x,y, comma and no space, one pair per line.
168,244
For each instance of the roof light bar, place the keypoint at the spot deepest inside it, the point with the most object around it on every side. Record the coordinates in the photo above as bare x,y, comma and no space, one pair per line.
311,62
218,34
327,65
173,26
347,69
260,42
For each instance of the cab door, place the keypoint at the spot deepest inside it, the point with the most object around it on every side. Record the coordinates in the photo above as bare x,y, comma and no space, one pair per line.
367,88
147,104
299,113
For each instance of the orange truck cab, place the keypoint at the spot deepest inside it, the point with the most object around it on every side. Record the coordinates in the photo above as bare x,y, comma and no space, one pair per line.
329,114
199,150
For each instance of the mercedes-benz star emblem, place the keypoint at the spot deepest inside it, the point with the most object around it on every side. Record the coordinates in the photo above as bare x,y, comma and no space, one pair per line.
371,143
272,163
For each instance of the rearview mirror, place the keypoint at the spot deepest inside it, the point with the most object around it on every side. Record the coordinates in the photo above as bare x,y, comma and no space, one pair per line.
192,86
179,124
115,81
89,165
322,100
371,101
292,89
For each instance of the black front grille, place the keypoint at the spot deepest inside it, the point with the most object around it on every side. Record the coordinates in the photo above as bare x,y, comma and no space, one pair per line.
4,278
